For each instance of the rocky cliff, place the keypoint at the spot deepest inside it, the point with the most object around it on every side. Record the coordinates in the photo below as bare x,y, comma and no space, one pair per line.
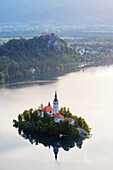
51,40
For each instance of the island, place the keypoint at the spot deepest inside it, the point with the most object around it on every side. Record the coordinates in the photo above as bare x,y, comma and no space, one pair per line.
52,121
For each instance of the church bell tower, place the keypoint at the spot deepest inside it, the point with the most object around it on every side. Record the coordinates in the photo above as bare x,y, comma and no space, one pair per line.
55,104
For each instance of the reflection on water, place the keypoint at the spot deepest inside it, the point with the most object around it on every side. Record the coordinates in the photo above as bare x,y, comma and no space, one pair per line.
89,94
42,79
28,83
64,142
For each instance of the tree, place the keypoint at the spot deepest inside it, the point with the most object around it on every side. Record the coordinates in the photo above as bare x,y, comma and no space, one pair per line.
64,127
1,77
40,126
20,123
47,129
19,118
28,126
26,115
51,127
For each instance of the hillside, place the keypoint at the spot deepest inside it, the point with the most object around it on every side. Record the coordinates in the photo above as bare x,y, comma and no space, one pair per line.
25,57
44,53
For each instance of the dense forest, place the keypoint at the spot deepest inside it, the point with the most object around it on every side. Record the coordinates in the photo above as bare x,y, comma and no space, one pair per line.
18,56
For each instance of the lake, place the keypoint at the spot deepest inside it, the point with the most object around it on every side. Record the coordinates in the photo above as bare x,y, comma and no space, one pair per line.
88,93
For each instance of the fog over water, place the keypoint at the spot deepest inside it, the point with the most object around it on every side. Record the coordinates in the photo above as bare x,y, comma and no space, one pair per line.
88,93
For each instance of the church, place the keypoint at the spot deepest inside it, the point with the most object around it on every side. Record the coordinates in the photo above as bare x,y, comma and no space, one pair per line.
54,112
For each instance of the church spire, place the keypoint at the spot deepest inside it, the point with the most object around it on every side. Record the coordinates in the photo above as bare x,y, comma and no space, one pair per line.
55,96
55,150
55,104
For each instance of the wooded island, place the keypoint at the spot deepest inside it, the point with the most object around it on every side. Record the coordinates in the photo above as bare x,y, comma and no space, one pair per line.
51,121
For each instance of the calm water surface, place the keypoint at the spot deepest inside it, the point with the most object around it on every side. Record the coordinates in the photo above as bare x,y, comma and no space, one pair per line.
88,94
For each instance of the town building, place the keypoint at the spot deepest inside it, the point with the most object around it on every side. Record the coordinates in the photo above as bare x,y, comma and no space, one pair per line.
58,117
32,70
71,120
47,109
55,112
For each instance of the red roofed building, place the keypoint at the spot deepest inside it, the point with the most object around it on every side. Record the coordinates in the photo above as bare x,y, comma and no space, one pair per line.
51,111
58,117
71,120
47,109
44,33
55,111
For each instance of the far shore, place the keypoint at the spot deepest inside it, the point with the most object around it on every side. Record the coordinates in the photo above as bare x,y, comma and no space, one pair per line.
31,79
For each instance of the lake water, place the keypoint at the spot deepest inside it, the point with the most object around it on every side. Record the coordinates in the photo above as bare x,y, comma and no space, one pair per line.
88,93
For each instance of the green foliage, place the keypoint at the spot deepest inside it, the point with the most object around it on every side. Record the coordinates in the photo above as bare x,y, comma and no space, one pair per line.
26,115
15,123
78,121
19,118
17,56
28,126
1,77
82,123
65,112
41,106
30,121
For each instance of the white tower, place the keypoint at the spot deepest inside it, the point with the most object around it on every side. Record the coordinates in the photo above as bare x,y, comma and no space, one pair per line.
55,105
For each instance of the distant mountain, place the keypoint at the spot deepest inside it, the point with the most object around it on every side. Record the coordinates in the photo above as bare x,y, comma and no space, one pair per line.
56,12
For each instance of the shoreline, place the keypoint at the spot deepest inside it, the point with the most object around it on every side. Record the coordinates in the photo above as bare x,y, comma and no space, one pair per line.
31,79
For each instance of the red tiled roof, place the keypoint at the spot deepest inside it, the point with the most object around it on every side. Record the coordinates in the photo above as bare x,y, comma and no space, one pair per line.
47,109
69,119
58,115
